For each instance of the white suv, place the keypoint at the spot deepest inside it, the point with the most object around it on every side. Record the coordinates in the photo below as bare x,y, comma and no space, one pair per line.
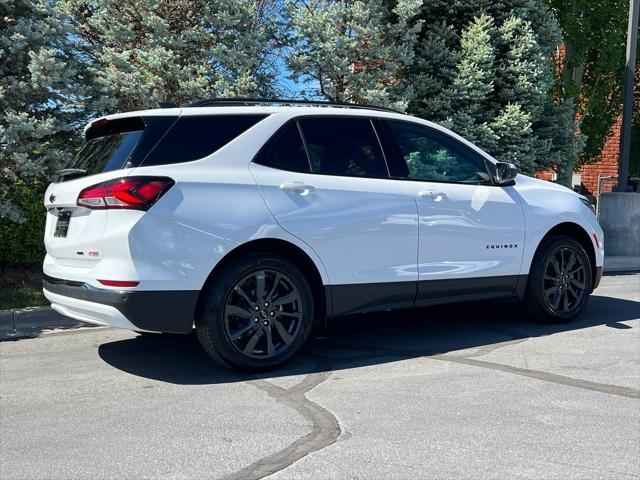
255,220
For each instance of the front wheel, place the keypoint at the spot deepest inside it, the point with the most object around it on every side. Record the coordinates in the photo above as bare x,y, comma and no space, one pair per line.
560,281
256,314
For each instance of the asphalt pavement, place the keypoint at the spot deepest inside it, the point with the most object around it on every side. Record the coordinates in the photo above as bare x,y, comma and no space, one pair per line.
453,392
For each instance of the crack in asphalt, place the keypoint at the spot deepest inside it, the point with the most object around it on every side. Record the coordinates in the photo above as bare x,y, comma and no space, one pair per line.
487,349
325,428
468,359
545,376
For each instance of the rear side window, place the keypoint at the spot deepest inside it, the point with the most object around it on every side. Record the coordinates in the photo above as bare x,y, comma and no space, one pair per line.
192,138
344,146
285,151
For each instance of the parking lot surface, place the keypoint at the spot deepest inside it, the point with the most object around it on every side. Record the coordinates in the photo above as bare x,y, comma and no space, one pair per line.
461,391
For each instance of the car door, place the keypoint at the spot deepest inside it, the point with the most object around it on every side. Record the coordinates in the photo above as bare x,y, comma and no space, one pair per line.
326,181
471,231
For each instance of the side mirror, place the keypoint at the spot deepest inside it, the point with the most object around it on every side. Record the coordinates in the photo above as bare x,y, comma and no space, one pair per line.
505,173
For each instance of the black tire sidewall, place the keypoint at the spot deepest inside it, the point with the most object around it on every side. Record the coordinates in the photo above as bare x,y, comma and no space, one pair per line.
211,315
537,305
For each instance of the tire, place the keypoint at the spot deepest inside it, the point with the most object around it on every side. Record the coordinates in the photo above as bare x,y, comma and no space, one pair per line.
560,281
247,321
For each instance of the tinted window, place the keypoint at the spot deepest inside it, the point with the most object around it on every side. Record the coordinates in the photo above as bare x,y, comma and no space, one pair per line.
103,154
119,143
431,155
285,151
343,146
192,138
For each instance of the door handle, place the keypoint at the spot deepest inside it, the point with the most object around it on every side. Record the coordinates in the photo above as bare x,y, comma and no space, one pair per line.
435,196
297,187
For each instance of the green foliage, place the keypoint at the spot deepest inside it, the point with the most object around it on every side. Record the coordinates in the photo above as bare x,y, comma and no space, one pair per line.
353,51
37,112
22,295
430,163
595,35
139,52
484,70
65,61
21,243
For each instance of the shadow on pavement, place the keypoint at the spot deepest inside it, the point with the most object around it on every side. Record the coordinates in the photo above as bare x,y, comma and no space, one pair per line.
363,340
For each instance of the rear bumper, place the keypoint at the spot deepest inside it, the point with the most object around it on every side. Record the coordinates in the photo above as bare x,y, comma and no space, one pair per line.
146,311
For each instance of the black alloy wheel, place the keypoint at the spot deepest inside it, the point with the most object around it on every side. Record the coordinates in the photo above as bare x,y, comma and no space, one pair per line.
256,313
560,280
565,280
263,314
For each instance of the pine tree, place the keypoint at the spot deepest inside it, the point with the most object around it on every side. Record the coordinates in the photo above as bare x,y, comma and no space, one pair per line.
484,69
140,52
353,51
37,107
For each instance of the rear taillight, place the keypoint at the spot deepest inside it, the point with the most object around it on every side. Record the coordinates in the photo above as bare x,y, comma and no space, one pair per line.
137,193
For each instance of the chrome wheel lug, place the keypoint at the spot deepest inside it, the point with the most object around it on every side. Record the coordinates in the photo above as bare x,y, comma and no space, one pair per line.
272,313
265,323
266,304
256,308
256,320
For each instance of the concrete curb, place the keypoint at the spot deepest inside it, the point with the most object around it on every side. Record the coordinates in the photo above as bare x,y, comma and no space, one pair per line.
30,322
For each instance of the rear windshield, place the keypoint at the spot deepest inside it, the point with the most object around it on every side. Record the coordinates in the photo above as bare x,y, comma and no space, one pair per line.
110,145
107,153
138,141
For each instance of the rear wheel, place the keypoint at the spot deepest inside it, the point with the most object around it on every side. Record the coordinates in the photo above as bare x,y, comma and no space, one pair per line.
256,314
560,281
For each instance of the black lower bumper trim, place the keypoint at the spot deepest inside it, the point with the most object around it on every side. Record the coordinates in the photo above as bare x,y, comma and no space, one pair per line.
168,311
596,280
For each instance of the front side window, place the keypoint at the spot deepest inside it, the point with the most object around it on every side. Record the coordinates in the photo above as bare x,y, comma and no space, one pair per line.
344,146
433,156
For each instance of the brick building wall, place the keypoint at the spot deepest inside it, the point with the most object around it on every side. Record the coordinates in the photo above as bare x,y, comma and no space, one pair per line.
606,166
586,179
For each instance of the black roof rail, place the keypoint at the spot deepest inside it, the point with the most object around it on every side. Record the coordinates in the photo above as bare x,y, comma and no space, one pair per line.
229,102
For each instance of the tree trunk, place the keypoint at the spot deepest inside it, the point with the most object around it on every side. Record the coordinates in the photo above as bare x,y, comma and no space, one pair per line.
569,75
565,172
